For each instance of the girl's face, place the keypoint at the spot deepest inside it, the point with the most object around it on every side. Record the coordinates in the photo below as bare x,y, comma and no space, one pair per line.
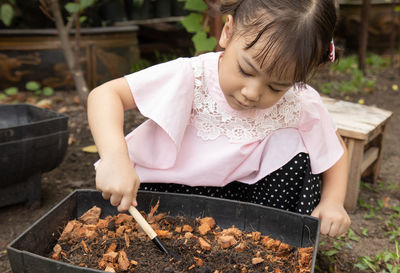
242,81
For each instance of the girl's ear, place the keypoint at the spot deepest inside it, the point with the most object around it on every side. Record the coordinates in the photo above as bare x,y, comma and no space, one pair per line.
227,31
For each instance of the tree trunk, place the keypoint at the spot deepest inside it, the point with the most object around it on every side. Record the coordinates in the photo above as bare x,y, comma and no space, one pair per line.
364,34
72,62
215,21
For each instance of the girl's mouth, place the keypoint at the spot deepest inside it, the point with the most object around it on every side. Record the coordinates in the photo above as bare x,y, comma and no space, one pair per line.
242,105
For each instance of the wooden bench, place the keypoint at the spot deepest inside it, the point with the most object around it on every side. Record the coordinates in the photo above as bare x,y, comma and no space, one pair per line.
363,130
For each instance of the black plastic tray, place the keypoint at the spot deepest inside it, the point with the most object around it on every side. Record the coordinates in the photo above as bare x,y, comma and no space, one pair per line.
19,121
26,253
32,141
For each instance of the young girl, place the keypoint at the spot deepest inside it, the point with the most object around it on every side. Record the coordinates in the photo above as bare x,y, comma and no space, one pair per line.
239,124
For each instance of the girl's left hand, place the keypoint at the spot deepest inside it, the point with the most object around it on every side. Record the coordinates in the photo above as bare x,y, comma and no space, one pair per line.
334,218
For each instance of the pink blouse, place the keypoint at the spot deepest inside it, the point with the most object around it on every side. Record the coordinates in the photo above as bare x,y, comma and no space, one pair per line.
194,137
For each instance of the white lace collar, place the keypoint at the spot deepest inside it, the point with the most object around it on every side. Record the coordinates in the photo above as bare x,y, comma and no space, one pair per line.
212,120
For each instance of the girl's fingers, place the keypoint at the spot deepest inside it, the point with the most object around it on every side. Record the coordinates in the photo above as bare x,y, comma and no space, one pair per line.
334,230
115,199
325,227
106,196
134,202
125,203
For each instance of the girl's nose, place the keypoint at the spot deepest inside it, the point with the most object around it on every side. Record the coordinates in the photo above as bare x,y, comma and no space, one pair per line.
251,93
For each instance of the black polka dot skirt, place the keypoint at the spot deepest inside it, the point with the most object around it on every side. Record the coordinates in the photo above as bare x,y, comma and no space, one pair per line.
293,187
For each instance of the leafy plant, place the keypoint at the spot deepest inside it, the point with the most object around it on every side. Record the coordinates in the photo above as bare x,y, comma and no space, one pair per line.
326,88
141,64
364,232
385,261
137,3
196,22
376,62
38,90
357,81
7,12
158,58
74,7
392,228
11,91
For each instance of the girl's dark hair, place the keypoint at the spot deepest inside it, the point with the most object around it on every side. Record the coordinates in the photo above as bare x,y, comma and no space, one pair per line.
293,32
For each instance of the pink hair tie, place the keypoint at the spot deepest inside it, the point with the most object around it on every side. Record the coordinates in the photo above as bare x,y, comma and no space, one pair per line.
332,51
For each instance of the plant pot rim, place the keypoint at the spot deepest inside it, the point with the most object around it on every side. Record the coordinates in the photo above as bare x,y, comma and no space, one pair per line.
83,31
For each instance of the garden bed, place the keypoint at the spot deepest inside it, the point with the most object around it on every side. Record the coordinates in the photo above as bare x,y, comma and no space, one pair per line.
205,234
117,244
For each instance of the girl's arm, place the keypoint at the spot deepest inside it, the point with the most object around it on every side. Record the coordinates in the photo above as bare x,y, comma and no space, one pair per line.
334,218
115,176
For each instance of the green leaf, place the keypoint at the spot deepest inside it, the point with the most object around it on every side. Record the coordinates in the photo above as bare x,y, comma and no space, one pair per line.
331,252
3,96
137,3
72,7
397,9
82,19
202,43
366,263
196,5
352,235
11,91
6,14
48,91
192,22
86,3
32,86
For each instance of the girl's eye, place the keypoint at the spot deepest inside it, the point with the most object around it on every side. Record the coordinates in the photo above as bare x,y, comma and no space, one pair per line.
243,72
274,90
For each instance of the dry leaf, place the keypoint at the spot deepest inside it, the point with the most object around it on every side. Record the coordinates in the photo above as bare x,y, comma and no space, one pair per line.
90,149
71,139
63,109
45,103
257,260
76,100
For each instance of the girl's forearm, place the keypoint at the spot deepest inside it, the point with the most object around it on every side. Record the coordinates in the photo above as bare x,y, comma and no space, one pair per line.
106,105
334,180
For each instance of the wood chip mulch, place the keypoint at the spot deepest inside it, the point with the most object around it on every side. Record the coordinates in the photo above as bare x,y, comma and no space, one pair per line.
117,244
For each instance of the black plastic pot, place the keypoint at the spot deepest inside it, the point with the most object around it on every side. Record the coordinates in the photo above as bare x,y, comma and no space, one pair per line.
27,252
178,8
112,11
139,12
32,141
163,8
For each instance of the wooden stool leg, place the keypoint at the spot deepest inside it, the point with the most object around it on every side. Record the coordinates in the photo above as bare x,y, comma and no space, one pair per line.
377,164
356,151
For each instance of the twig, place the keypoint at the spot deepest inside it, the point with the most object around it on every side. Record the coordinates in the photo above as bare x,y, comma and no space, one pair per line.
68,26
45,9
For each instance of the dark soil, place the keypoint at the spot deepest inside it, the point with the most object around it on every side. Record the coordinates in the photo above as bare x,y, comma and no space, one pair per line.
77,172
198,245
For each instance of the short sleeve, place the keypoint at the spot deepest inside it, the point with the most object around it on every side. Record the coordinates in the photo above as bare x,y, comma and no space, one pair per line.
318,132
164,94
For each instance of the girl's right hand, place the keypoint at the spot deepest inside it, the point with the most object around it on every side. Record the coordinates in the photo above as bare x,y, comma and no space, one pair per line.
118,181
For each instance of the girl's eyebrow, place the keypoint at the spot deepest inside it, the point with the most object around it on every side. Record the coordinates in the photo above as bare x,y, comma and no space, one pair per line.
250,64
282,84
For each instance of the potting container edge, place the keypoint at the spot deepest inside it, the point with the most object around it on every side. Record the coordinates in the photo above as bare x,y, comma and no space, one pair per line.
23,252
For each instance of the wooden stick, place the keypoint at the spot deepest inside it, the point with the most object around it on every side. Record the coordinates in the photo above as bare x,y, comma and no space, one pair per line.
147,228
